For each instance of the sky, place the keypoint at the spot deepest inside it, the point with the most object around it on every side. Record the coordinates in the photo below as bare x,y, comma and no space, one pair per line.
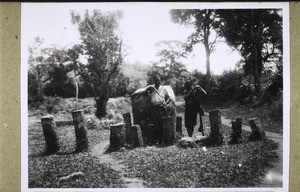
142,27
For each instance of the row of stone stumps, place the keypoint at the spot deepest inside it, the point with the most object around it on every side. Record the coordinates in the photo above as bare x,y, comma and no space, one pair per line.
51,138
216,137
131,135
257,133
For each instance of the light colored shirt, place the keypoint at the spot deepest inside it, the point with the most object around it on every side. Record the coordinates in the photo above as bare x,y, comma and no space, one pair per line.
158,96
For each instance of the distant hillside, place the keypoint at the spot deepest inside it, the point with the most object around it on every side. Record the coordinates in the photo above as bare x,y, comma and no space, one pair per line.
135,71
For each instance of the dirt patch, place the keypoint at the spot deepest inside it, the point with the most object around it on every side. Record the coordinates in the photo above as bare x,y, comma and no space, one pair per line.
105,158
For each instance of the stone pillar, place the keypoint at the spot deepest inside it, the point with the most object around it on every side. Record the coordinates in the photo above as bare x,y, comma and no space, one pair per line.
179,124
236,136
257,133
117,136
80,132
128,129
51,138
168,130
215,123
137,137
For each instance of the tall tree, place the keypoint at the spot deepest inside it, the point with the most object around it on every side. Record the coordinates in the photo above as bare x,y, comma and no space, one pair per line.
169,67
38,66
74,54
102,44
203,21
257,34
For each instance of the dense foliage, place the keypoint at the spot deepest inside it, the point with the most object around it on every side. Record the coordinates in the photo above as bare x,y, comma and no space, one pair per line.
256,80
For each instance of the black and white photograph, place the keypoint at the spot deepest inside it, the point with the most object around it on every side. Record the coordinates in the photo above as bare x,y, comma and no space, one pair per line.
155,96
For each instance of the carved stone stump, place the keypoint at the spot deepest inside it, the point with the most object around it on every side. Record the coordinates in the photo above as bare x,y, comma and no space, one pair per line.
168,130
257,133
215,124
137,137
152,136
236,136
179,124
51,138
117,136
128,125
82,144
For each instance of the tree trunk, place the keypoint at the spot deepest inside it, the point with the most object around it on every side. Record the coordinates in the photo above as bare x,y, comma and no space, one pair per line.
77,89
101,103
207,51
39,82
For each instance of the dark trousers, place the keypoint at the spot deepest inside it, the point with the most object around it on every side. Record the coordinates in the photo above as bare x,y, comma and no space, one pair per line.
157,113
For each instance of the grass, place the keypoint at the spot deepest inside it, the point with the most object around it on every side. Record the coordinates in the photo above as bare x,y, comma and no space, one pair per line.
44,171
264,114
241,165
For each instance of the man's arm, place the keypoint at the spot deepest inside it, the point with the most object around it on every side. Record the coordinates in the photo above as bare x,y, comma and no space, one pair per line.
198,87
142,91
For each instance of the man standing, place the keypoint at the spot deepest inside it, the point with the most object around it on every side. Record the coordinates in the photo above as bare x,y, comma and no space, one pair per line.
160,99
200,93
193,107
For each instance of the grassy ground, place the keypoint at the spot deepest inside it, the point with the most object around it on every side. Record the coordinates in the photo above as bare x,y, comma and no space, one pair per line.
241,165
268,115
45,171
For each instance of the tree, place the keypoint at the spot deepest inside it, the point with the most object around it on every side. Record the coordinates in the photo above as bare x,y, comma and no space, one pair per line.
170,68
38,68
103,46
74,54
204,22
257,34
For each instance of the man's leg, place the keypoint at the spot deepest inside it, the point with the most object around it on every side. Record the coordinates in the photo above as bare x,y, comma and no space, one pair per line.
190,130
201,126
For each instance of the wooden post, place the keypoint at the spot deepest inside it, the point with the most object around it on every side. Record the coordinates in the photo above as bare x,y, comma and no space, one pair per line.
128,130
179,124
168,130
51,138
137,136
152,136
257,133
236,136
117,136
80,132
215,123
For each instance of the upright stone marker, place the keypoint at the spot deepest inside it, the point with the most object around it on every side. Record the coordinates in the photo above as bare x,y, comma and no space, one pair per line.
51,138
168,130
236,136
142,114
137,136
128,125
179,124
257,132
117,136
215,124
80,132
